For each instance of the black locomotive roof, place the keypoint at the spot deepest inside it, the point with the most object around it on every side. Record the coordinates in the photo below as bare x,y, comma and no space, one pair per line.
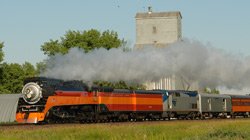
147,92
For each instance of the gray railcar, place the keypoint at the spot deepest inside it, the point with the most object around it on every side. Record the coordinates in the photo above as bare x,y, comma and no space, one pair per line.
214,105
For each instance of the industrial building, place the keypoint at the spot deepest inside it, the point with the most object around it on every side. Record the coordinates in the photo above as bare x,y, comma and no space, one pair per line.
160,29
8,107
157,28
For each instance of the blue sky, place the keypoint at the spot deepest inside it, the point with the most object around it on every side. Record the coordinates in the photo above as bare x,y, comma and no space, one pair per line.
26,25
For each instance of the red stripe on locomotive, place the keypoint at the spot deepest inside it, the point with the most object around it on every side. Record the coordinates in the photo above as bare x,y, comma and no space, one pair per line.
133,107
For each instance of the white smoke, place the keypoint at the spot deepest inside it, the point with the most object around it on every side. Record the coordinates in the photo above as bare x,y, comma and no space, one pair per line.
192,60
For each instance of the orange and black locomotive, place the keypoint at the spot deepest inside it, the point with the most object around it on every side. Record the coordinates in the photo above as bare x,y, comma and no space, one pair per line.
51,100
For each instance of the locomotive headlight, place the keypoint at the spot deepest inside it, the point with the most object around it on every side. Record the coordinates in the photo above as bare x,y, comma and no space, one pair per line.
28,94
31,93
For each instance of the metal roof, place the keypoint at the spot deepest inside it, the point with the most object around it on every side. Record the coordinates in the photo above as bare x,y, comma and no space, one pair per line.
240,96
8,106
158,45
216,95
158,14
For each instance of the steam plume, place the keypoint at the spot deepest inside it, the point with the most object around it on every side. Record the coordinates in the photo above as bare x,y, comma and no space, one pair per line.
192,60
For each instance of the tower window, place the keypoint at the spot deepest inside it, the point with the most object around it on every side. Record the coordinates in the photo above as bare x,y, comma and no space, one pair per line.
155,42
154,30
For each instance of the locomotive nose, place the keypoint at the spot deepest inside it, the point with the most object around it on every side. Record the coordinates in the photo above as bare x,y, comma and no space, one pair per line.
31,93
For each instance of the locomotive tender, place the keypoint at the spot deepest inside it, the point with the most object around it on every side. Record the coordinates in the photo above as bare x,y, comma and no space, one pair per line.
47,100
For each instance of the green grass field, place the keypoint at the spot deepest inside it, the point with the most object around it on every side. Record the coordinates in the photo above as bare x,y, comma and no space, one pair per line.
160,130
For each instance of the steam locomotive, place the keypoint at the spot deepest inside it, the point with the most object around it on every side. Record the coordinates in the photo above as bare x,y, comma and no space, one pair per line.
48,100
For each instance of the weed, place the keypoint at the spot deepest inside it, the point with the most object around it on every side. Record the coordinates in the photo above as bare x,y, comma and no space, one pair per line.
164,130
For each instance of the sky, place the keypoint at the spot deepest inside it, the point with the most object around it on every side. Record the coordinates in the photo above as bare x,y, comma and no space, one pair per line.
28,24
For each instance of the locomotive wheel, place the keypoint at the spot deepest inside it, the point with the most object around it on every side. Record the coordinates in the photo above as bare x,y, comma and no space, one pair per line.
50,120
66,121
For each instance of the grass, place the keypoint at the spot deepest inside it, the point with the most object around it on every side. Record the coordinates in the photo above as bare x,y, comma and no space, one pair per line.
190,130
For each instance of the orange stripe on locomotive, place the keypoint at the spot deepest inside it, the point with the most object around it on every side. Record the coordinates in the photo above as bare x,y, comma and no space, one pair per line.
113,101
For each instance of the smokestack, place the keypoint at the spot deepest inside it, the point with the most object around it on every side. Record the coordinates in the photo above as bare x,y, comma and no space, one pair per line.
150,9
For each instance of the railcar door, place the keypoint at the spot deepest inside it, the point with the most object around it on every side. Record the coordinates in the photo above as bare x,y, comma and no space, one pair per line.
199,103
209,104
170,103
224,104
95,95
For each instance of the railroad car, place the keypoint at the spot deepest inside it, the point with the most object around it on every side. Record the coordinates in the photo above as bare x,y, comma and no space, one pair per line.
240,105
214,105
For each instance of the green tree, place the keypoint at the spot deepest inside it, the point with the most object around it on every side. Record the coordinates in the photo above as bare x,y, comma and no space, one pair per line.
13,75
110,40
87,40
215,91
211,91
53,47
40,68
138,86
1,51
2,87
29,70
120,85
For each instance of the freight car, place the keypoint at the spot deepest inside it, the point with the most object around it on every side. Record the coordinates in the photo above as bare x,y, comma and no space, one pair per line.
47,100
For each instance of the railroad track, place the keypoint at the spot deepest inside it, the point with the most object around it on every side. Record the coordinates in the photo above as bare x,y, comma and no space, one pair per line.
35,126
